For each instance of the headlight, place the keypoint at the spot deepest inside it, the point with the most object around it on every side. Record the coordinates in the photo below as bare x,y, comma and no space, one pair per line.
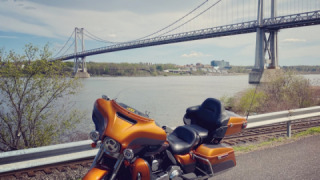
94,136
128,154
111,146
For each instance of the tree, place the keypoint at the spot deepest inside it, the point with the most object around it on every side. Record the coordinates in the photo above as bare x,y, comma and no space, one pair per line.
34,106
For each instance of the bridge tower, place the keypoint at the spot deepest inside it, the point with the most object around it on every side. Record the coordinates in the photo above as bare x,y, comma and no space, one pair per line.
80,68
265,45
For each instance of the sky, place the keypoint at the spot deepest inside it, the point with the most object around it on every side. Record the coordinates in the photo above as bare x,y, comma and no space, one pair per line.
43,21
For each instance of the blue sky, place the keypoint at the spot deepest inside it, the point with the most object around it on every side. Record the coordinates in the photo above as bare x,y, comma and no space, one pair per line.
40,22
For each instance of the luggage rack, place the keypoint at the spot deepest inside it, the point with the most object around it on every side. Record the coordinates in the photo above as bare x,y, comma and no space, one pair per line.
207,161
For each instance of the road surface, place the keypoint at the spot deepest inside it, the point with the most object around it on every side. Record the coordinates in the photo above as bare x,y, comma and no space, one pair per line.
299,160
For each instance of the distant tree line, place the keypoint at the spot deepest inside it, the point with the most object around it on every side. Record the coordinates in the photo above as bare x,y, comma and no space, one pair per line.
125,69
303,69
144,69
298,69
240,69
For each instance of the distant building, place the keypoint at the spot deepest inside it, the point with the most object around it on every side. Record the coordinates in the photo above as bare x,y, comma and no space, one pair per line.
220,64
199,65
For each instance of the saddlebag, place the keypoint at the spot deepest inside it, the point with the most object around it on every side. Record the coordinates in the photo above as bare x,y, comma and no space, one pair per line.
220,157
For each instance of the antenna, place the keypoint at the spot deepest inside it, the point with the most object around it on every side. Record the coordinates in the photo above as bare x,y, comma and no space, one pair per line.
254,94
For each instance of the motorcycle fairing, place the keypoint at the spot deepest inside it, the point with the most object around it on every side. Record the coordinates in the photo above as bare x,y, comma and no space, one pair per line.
128,128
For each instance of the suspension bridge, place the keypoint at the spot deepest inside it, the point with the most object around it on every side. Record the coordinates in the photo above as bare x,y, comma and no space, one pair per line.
210,19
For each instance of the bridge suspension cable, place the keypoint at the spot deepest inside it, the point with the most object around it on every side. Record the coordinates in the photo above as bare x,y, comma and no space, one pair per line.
68,48
191,18
64,44
96,38
175,21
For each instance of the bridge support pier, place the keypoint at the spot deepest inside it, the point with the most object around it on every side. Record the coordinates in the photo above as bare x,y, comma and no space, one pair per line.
265,46
80,67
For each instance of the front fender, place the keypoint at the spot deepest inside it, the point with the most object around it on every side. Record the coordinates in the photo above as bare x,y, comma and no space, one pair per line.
95,173
140,166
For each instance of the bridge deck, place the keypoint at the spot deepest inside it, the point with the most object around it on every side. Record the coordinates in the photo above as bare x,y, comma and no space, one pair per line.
282,22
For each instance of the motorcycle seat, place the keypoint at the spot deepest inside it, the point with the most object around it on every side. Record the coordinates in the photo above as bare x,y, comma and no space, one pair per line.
209,115
182,140
202,133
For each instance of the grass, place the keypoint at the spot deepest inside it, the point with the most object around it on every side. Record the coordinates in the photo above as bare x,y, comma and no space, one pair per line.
310,131
276,141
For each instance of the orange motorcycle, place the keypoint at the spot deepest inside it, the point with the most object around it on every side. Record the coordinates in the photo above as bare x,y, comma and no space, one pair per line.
133,146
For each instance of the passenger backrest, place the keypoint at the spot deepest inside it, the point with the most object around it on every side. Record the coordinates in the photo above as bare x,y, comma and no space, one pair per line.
208,115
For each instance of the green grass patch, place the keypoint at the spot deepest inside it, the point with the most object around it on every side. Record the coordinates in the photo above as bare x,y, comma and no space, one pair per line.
271,141
310,131
251,147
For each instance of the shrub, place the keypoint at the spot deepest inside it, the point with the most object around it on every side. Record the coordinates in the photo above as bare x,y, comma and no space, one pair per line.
283,91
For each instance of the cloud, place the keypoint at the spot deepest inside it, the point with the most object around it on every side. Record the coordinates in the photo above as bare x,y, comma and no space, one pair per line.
57,22
8,37
112,35
30,8
289,40
194,54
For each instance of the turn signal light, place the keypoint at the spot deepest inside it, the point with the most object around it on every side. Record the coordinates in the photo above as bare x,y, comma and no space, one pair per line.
93,145
244,125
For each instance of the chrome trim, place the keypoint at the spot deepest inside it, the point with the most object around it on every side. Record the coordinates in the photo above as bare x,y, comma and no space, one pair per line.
110,145
206,160
98,157
155,165
94,135
114,155
128,154
174,173
117,167
105,97
138,176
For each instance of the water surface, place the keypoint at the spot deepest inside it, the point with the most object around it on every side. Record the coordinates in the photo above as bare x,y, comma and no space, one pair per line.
166,98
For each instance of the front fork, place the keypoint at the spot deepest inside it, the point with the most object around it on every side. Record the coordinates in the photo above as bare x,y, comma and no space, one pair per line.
97,158
115,168
140,168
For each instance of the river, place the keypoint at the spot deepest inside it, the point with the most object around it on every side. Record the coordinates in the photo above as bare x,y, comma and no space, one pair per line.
166,98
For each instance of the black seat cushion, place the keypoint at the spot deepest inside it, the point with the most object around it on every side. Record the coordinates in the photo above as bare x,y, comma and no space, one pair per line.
209,115
202,133
182,140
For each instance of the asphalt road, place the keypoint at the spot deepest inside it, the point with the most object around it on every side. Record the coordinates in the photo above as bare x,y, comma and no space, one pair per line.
299,160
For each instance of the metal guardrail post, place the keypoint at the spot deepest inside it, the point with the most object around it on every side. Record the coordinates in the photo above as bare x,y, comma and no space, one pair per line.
289,129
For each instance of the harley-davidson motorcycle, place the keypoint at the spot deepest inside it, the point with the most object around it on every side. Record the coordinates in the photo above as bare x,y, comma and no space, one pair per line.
133,146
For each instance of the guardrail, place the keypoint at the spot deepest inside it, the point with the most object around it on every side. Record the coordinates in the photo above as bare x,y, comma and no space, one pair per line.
34,157
283,116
